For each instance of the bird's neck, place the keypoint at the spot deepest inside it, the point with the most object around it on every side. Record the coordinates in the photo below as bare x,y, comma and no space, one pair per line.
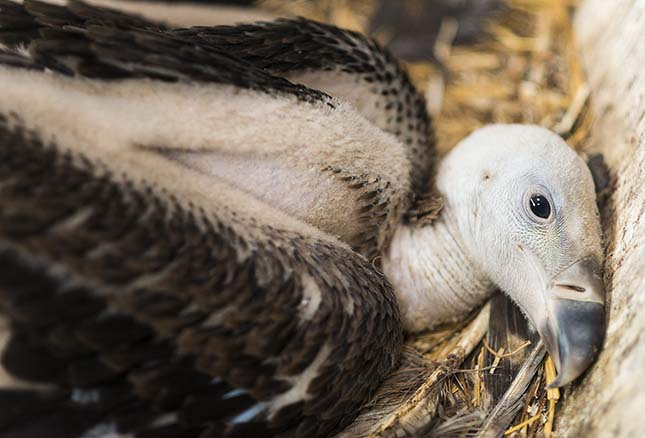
432,274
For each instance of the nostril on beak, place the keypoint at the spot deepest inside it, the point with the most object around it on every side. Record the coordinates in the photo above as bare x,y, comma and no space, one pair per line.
572,287
579,282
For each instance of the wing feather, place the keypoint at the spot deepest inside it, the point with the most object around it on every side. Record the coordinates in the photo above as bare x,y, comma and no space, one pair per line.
165,301
331,156
184,308
351,67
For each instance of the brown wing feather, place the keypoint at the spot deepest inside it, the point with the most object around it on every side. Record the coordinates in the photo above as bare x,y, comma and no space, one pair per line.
351,67
173,292
83,40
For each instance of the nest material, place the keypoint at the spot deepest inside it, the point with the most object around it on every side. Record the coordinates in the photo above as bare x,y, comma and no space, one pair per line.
524,71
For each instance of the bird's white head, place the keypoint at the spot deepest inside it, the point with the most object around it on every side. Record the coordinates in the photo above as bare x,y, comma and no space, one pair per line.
525,208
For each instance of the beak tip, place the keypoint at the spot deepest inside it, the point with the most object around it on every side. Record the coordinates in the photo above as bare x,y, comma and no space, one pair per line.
576,340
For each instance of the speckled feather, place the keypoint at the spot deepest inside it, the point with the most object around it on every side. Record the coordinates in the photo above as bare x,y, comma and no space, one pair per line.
296,47
183,313
84,40
155,333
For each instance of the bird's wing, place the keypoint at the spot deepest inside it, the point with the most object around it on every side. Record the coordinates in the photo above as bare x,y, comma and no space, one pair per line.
148,294
349,66
293,147
122,290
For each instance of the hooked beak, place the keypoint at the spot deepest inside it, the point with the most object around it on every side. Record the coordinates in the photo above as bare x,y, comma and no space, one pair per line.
573,326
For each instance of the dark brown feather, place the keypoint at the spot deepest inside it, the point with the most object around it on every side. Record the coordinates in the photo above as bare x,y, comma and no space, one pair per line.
297,46
153,337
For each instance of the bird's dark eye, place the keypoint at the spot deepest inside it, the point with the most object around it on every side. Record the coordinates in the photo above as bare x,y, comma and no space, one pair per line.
540,206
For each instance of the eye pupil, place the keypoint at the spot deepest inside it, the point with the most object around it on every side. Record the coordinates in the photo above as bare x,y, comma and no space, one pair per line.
540,206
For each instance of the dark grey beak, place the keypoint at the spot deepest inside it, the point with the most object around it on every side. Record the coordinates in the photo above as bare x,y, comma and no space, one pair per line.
574,327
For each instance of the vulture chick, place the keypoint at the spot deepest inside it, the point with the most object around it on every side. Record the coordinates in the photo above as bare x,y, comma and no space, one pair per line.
193,224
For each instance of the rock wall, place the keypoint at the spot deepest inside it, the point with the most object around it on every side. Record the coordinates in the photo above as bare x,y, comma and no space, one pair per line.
610,401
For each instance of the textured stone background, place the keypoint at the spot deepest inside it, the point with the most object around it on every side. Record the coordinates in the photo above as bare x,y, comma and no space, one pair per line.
610,401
